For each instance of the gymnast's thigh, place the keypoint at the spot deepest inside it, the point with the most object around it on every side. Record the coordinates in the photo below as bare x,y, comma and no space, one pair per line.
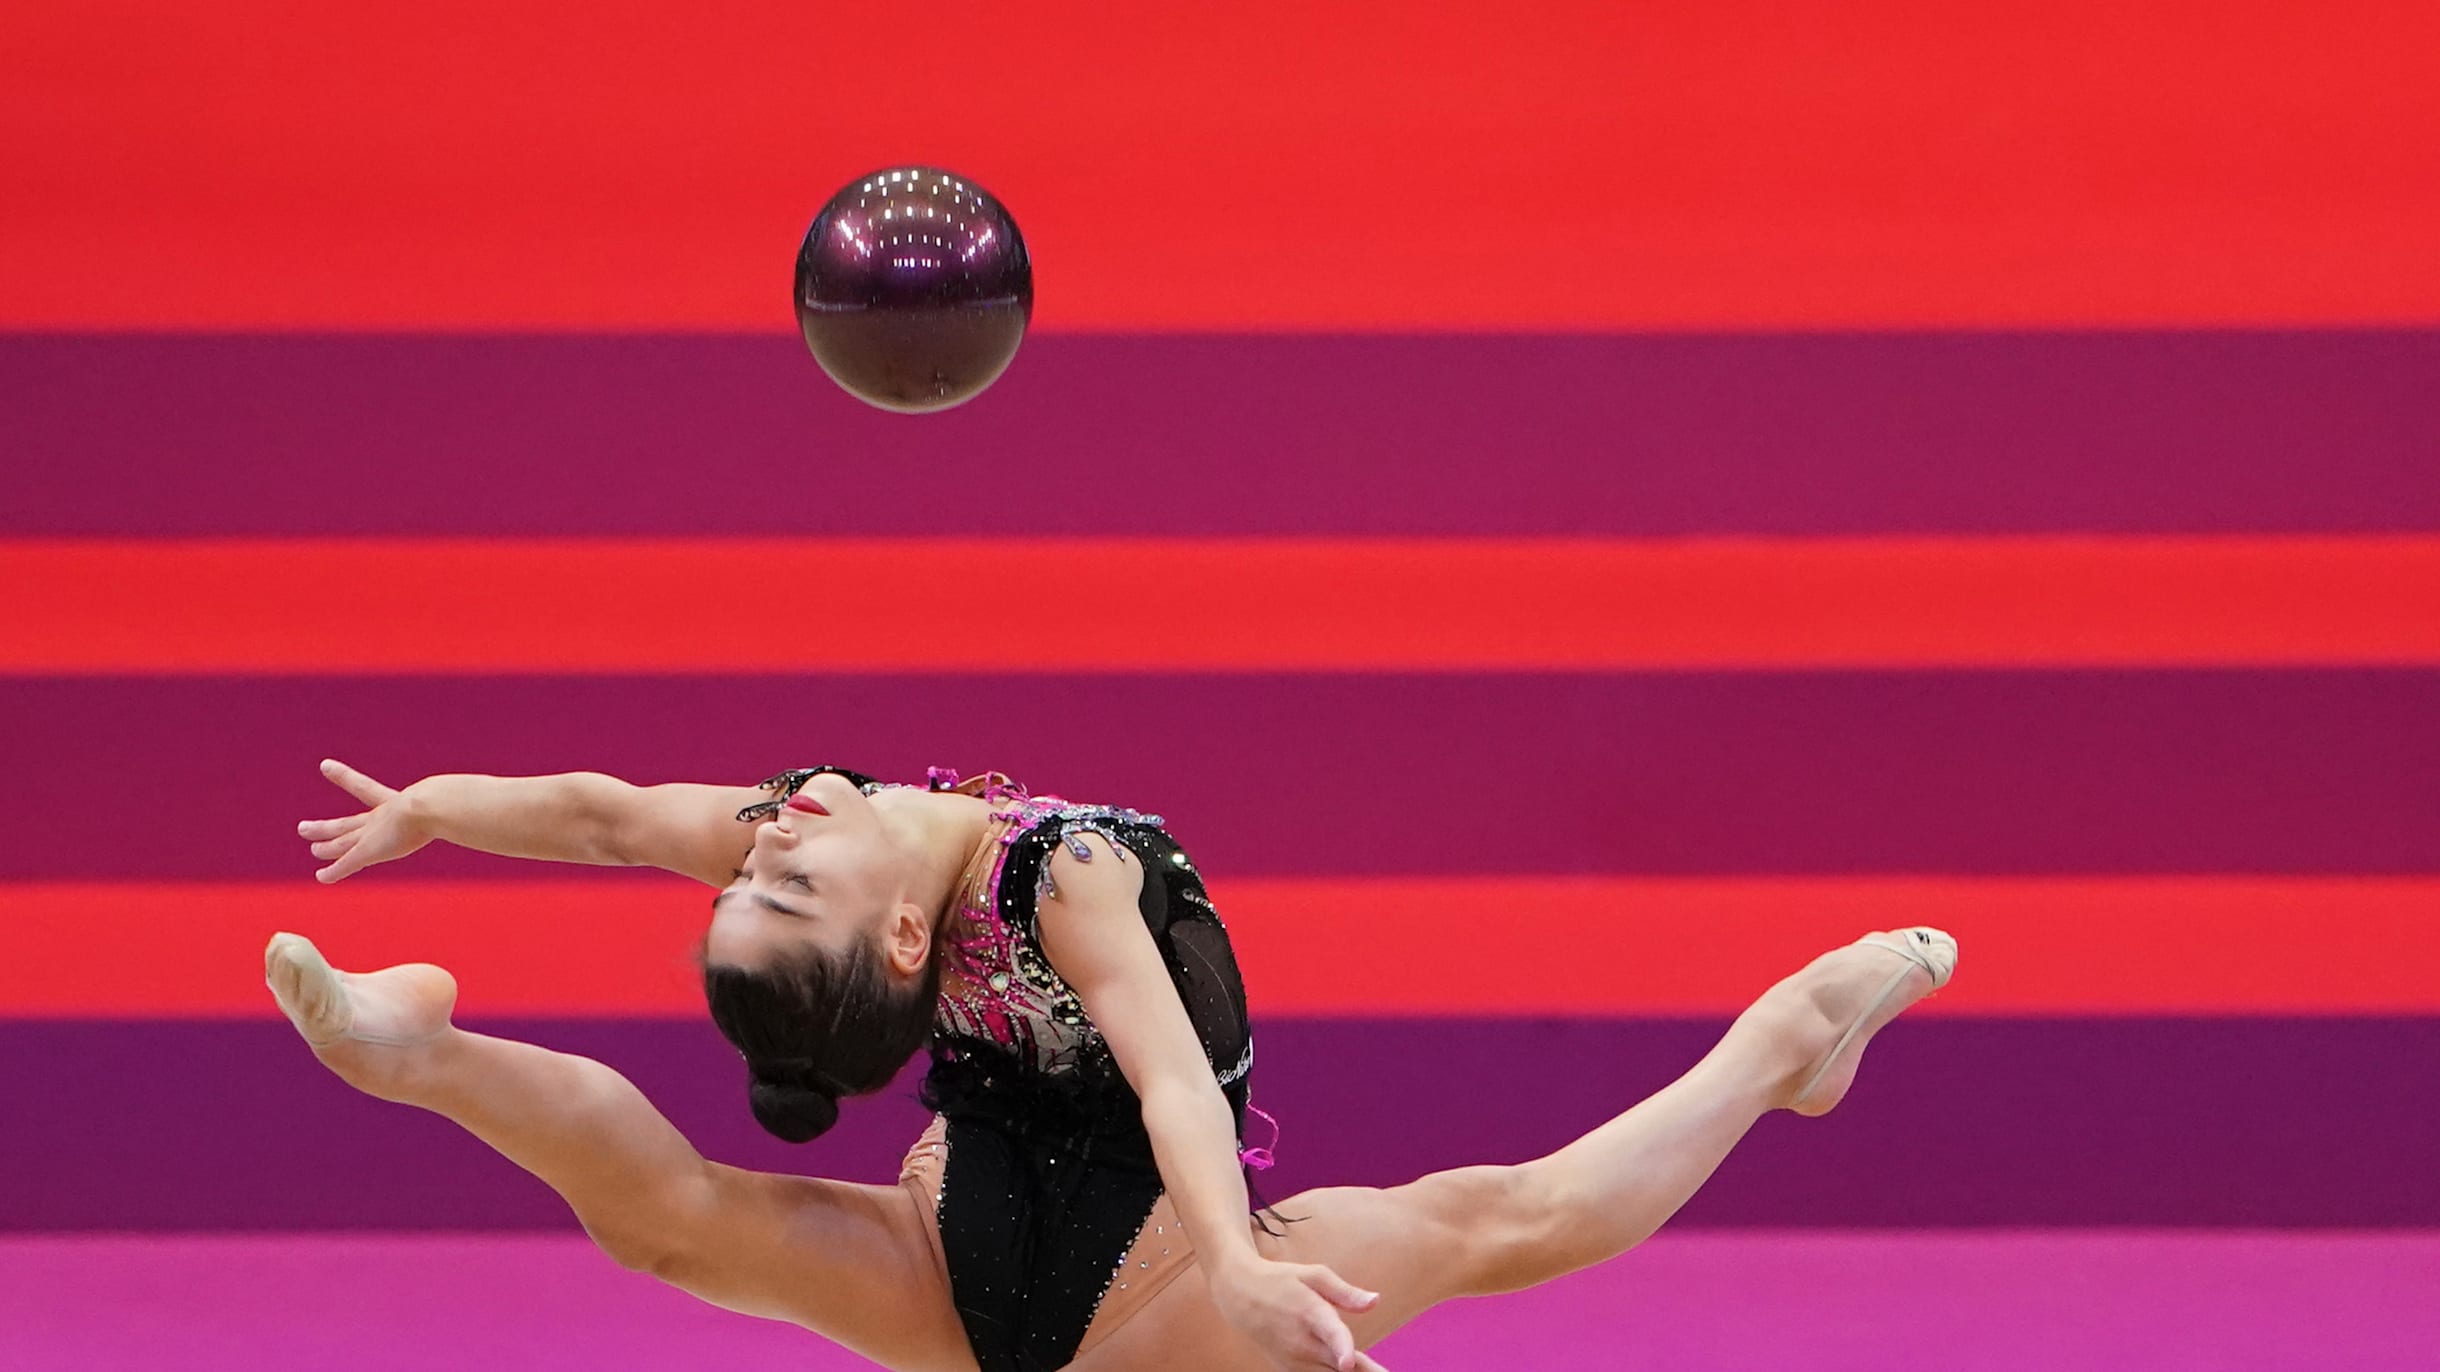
859,1265
1406,1243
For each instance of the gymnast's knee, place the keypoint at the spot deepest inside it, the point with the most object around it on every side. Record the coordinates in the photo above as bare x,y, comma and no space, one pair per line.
1505,1227
633,1248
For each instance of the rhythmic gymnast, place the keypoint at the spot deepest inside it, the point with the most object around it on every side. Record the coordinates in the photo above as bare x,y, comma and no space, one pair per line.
1080,1199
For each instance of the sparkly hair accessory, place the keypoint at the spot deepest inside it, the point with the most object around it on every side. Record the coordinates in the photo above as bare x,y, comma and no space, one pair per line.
788,783
781,786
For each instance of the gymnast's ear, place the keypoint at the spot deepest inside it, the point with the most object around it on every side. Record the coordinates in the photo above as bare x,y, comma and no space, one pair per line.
906,939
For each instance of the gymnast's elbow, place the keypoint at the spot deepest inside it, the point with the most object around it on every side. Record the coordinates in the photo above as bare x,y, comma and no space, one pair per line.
600,813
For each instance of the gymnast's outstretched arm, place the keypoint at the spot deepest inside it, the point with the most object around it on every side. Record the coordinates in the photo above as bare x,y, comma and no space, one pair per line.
1097,941
582,817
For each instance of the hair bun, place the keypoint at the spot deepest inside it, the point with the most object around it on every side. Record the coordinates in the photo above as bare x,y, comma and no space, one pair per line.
794,1112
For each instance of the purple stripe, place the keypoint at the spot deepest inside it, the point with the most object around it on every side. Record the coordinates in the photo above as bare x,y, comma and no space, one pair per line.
1993,773
2141,1302
2230,1122
2326,430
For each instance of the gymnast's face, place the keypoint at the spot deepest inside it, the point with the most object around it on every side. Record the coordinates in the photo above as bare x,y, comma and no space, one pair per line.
828,870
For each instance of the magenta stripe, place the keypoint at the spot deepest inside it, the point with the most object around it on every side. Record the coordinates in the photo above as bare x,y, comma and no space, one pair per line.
272,434
1996,773
2142,1302
2314,1123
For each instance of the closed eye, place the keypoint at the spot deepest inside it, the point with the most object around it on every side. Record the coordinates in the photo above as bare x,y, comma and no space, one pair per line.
798,879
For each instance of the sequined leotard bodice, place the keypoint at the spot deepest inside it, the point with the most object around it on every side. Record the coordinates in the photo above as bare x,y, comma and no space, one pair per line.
1049,1172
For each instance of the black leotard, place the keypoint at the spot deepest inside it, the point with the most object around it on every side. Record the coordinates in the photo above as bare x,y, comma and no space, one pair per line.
1049,1173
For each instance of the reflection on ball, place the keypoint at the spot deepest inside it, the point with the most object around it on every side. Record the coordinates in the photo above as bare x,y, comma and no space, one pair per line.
913,289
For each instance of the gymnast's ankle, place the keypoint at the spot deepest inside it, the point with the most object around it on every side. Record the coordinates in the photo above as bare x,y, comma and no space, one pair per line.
379,1031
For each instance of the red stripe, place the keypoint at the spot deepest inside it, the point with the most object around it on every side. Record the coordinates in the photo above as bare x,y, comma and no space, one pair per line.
2171,945
1264,164
402,606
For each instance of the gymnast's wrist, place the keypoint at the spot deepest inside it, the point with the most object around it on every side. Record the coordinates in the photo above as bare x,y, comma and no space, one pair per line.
418,810
1230,1261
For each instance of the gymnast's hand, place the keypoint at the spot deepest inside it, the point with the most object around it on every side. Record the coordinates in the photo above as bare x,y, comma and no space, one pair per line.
1287,1309
384,832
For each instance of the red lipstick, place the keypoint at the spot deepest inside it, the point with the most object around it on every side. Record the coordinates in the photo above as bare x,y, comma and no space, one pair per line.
806,803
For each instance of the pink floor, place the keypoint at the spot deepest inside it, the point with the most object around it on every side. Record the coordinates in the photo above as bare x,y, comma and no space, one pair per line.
1870,1302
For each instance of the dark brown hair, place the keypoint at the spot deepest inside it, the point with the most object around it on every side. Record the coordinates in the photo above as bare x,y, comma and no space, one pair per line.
817,1025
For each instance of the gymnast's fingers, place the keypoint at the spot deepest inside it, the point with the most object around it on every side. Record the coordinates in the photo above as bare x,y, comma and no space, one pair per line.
1364,1364
355,783
336,847
1338,1346
331,828
357,857
1339,1291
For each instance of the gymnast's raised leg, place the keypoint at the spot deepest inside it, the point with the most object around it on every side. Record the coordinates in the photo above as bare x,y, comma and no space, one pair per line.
853,1263
1477,1231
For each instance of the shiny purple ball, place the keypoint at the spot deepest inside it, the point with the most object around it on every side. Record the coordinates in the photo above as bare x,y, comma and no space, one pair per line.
913,289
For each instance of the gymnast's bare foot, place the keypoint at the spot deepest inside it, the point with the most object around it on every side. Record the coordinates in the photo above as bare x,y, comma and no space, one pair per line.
1848,994
364,1026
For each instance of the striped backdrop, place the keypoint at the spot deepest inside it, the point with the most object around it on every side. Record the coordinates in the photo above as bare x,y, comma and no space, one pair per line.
1568,509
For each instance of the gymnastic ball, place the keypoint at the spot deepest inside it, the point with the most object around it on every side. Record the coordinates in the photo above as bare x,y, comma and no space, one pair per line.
913,289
